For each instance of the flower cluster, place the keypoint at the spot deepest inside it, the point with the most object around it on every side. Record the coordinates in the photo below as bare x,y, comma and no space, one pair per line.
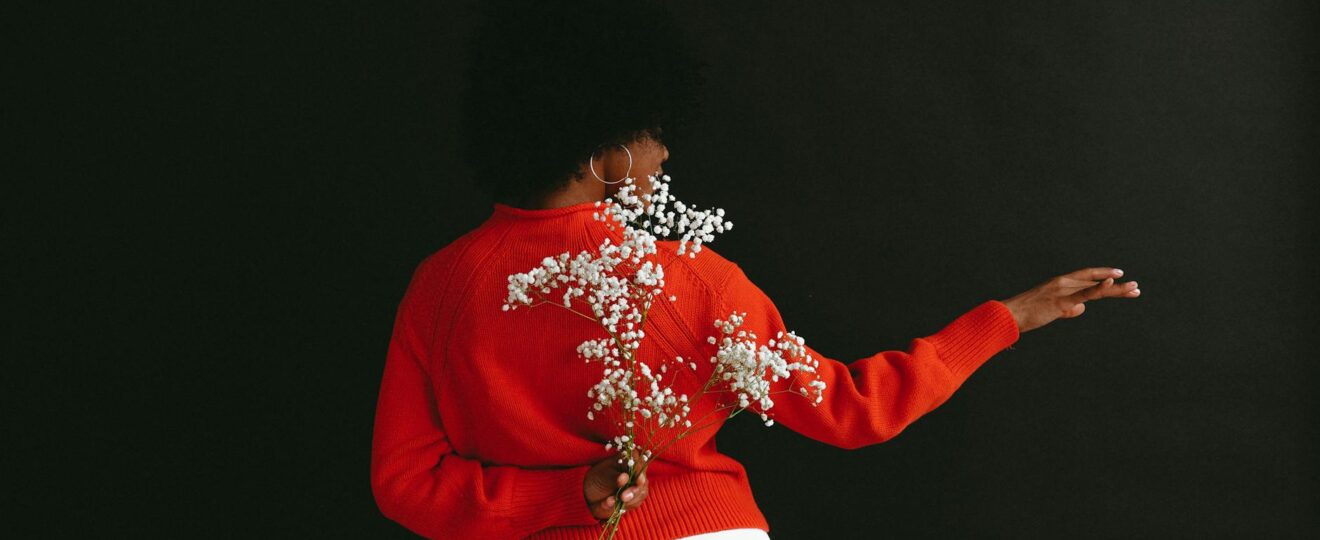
648,213
615,286
744,364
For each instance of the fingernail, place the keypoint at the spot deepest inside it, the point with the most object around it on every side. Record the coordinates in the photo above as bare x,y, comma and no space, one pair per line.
609,503
628,496
1118,272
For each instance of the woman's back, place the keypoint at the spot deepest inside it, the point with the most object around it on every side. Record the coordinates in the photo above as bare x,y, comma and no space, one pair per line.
510,391
482,429
520,367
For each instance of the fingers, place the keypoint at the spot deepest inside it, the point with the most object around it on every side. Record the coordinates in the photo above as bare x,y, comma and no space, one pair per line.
1104,289
631,497
1115,289
603,508
1095,273
1130,290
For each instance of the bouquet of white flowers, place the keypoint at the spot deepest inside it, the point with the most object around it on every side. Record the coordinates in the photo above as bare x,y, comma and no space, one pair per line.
616,287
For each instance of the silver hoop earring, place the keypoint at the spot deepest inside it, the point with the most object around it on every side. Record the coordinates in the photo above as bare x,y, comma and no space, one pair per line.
592,165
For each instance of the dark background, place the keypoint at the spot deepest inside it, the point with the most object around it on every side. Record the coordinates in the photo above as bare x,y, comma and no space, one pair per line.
232,198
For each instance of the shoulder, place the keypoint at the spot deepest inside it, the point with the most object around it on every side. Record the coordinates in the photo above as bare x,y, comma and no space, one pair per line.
723,281
708,267
431,275
435,265
445,259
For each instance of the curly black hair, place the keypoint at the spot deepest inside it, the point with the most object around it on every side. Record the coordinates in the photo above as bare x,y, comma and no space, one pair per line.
550,82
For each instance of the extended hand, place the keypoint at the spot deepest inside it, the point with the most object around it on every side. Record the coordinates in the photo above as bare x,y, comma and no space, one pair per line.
606,477
1066,296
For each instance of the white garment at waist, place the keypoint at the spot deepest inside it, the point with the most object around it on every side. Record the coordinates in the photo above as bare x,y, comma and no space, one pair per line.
730,534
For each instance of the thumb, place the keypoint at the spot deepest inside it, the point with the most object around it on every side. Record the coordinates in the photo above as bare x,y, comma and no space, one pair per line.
1074,311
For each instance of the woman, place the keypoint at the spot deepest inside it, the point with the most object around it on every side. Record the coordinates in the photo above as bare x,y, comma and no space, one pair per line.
480,426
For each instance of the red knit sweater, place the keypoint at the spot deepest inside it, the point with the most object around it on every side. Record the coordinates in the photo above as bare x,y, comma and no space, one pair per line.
481,428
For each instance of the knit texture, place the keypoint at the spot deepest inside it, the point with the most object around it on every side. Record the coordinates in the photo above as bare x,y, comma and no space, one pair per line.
481,429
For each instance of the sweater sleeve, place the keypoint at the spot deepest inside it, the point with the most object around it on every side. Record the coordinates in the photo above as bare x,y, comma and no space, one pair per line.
871,400
420,482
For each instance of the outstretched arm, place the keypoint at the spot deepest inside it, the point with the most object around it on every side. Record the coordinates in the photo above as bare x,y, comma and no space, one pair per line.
873,399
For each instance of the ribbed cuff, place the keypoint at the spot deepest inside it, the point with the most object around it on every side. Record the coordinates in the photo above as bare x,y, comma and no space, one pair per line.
550,498
975,336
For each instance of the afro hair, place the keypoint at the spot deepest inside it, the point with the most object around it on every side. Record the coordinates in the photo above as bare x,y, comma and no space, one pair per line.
550,82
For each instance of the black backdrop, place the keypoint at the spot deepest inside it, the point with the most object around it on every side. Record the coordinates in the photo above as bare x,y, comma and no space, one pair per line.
239,194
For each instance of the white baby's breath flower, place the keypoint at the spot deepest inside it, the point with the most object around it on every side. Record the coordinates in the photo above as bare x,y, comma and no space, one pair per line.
746,365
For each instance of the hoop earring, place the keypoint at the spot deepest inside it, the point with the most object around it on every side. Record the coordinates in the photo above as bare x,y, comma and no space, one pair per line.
591,165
